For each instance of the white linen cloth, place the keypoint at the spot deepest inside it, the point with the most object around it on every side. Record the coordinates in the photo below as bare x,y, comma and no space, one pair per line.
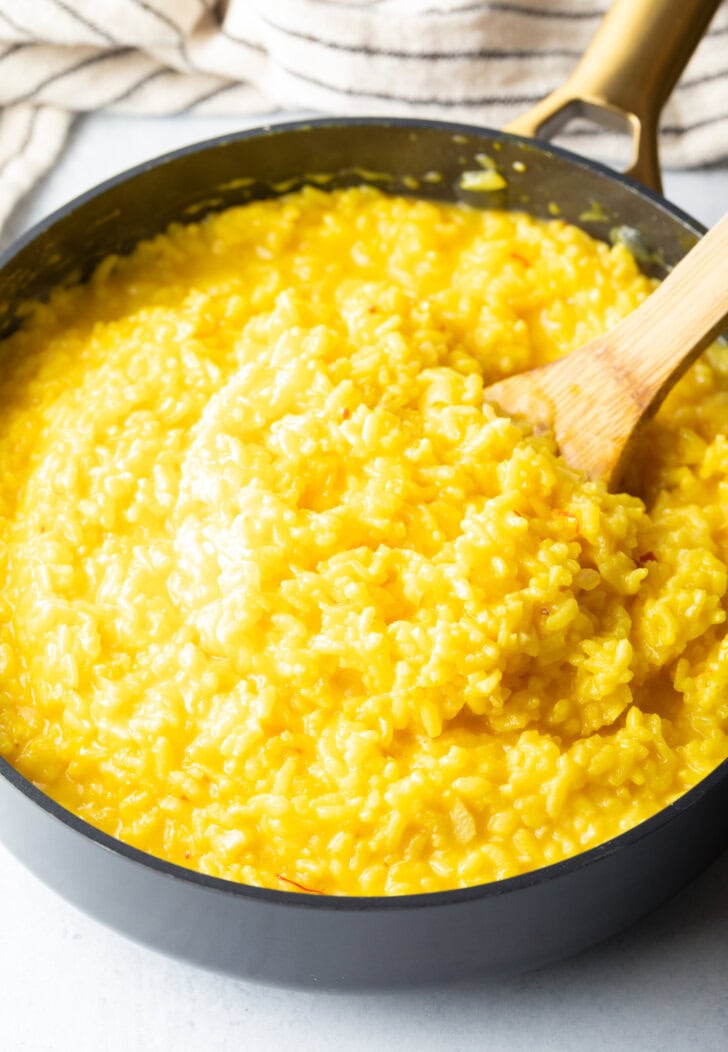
480,63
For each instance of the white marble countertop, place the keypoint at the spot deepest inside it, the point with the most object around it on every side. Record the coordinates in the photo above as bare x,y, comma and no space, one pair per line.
70,984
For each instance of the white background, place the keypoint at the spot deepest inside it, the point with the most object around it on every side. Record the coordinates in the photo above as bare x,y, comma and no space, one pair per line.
67,983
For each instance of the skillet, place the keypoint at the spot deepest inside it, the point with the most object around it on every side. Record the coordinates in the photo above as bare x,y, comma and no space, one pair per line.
522,922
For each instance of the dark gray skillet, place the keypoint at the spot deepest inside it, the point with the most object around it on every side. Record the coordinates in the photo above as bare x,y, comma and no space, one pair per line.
289,937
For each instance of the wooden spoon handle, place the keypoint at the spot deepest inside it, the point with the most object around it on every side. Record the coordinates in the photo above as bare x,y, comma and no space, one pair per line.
655,344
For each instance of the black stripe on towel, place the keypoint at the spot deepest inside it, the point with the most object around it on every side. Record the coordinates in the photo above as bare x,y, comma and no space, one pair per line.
365,49
350,3
160,16
707,78
91,60
181,44
244,43
73,13
684,129
142,82
517,9
13,49
15,26
24,142
383,96
219,90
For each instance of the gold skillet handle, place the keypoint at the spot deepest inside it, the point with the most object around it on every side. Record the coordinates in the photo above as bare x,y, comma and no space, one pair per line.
626,75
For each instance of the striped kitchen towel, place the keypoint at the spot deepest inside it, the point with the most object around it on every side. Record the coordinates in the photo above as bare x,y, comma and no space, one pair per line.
480,63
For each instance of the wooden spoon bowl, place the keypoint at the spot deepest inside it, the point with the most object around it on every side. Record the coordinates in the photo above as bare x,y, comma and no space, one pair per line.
595,399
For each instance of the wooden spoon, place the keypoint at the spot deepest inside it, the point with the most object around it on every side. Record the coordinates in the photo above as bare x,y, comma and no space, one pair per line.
595,399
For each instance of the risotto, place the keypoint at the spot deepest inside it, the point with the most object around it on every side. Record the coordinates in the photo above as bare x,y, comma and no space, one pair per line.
285,602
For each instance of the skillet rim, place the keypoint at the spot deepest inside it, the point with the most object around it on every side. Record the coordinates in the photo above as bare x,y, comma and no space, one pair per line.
312,123
370,903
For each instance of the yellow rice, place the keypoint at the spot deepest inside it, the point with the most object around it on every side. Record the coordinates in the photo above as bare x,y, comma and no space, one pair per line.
284,602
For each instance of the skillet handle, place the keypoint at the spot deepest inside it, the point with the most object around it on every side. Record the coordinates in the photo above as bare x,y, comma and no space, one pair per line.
626,75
